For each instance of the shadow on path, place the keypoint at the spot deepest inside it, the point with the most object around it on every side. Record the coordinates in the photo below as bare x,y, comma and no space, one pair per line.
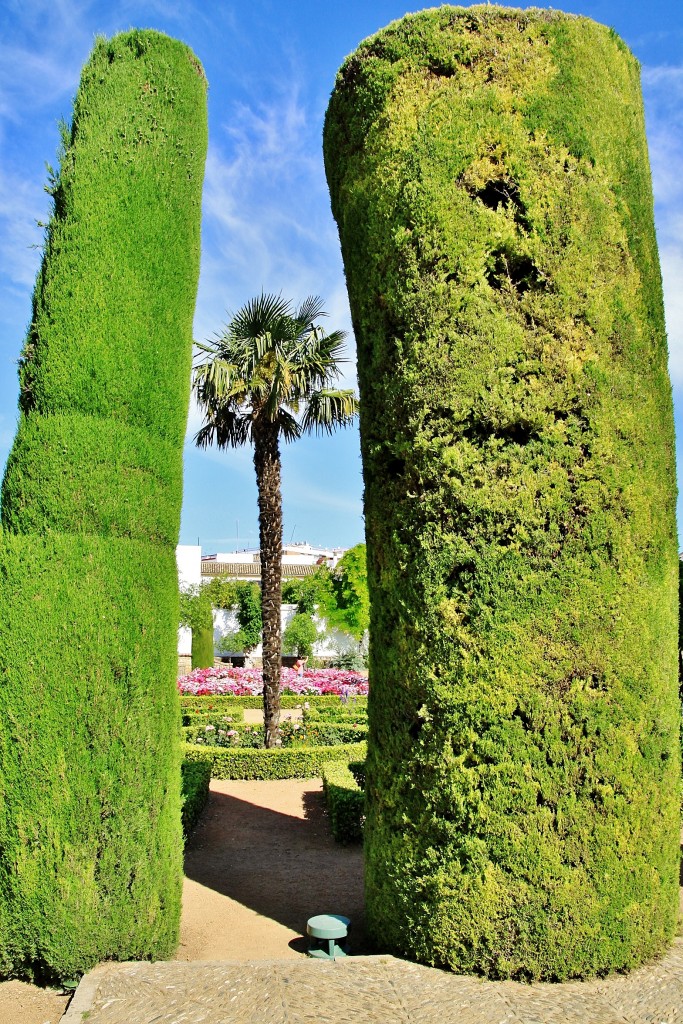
283,866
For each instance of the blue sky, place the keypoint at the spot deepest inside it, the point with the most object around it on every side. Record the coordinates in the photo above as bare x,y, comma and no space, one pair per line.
266,220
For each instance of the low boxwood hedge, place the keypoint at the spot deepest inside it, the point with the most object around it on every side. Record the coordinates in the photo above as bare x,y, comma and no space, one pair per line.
346,713
229,716
229,701
324,733
201,730
345,800
195,777
277,763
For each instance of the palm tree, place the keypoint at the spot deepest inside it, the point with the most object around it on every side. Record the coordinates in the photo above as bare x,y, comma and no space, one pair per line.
268,376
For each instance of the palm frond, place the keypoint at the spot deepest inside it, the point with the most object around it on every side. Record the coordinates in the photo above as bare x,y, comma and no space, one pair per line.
271,361
327,409
289,428
309,311
226,429
258,315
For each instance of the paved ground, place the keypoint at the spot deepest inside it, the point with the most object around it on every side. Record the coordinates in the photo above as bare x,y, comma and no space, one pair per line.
260,863
365,990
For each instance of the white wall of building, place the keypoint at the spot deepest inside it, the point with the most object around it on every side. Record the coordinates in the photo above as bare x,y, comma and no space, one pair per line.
330,643
189,561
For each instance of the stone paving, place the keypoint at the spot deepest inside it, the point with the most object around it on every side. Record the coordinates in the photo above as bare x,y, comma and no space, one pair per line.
366,990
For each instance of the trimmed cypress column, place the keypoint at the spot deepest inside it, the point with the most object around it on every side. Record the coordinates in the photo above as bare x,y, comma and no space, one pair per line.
90,832
489,176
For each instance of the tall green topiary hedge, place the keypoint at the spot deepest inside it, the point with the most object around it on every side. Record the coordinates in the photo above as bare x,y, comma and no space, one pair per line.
489,177
90,833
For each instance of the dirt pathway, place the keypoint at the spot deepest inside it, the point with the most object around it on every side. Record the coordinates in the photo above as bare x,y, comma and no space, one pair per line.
260,863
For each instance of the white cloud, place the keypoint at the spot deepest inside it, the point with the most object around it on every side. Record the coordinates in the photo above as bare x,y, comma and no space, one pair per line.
672,274
22,204
267,224
663,95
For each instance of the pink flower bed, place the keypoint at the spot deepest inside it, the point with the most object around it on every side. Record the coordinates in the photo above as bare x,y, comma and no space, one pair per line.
245,681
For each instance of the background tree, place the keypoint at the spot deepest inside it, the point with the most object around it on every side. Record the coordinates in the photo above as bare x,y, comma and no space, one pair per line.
196,613
247,601
300,635
90,832
489,176
350,608
267,377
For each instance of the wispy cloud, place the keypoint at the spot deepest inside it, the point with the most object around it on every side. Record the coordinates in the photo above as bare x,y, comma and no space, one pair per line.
663,94
267,224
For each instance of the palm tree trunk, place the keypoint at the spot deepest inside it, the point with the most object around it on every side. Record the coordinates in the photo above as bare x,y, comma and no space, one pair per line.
267,466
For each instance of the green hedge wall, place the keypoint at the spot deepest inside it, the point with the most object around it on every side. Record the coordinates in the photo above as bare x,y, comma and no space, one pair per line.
195,777
275,763
489,177
226,702
345,802
90,818
202,646
198,717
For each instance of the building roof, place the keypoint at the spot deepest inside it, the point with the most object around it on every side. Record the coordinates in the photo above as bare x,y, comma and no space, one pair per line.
240,569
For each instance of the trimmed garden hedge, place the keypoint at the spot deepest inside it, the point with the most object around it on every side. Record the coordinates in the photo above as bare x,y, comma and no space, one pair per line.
192,717
225,702
276,763
90,817
345,801
489,176
196,776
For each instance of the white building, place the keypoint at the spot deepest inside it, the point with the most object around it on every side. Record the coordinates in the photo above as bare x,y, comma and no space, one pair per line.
298,560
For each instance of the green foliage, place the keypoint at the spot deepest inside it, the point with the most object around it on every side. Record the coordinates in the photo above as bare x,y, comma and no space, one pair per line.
195,776
222,592
90,824
309,591
340,595
353,660
195,607
215,731
275,763
680,626
489,177
249,614
196,716
349,581
300,635
202,647
345,802
226,703
346,713
196,612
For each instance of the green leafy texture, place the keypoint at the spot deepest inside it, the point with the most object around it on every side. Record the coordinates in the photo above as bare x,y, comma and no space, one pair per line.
202,646
90,828
339,594
345,802
273,763
222,592
195,776
350,610
196,613
489,177
227,702
195,717
300,635
308,592
249,614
